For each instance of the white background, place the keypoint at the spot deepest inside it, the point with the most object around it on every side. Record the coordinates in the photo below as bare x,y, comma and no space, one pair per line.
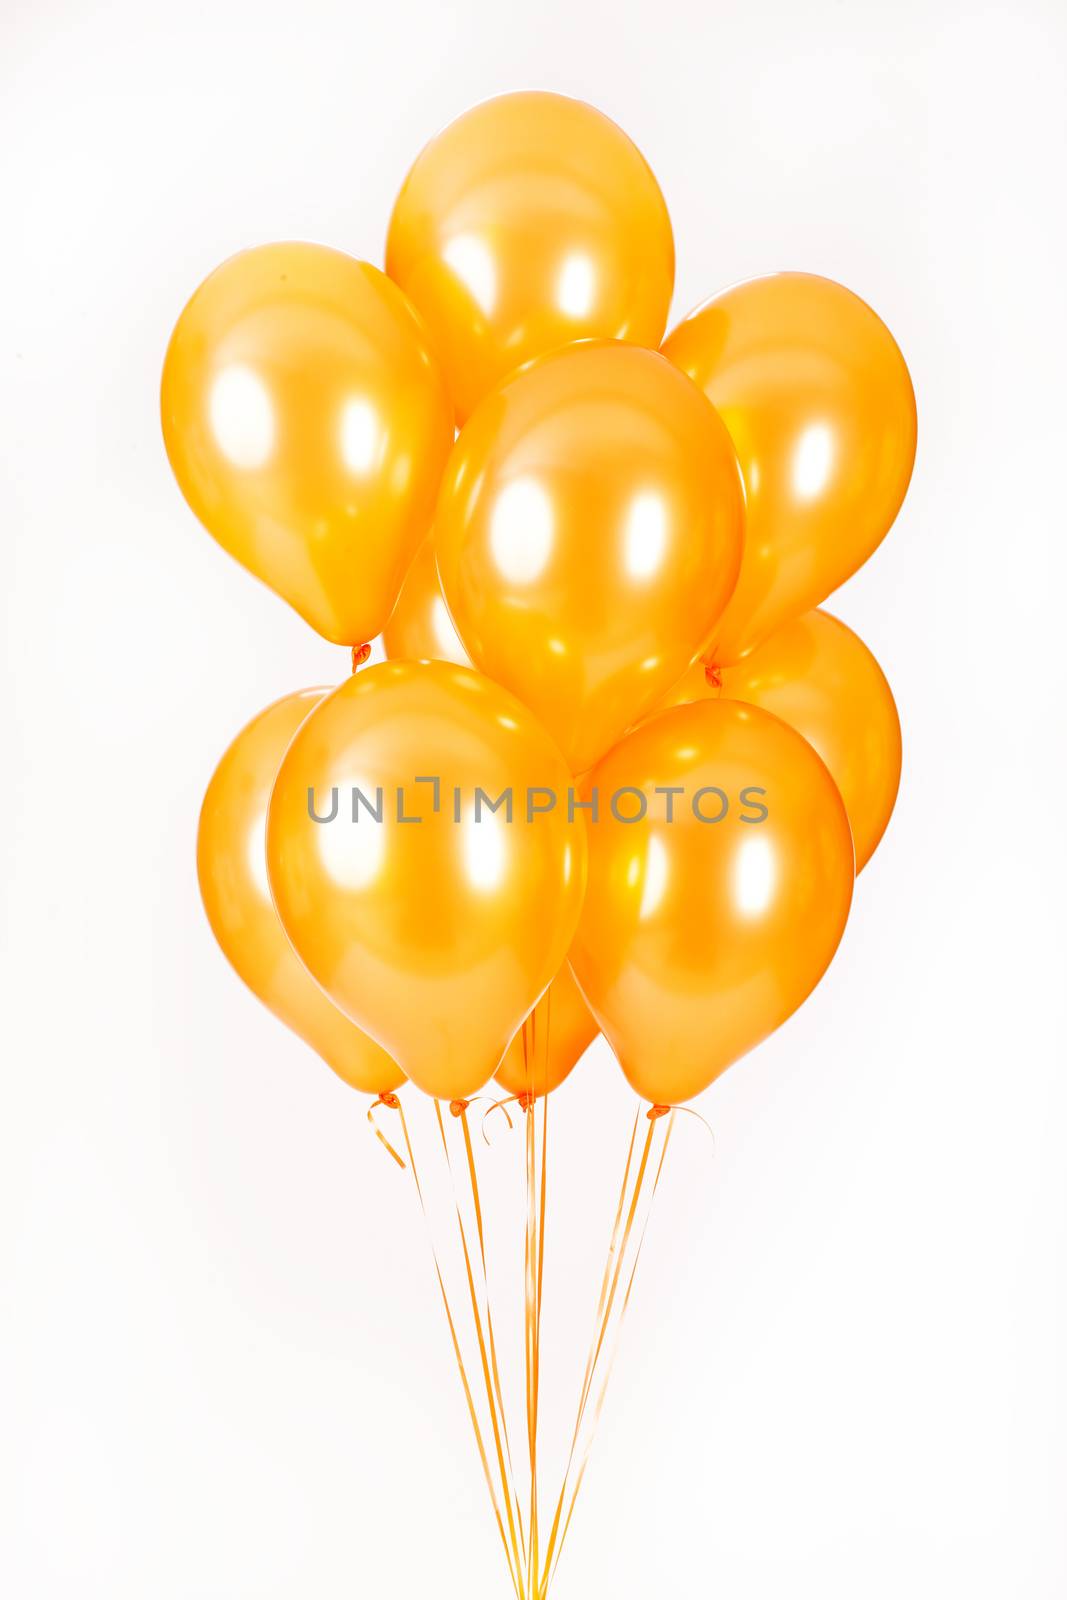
224,1375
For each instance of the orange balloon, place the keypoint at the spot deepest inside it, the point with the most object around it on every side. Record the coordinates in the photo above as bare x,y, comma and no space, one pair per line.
432,920
588,535
709,919
530,222
539,1058
307,426
820,677
420,628
819,404
232,865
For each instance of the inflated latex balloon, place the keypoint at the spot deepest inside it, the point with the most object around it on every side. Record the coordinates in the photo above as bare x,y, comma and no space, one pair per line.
818,676
819,403
307,425
710,917
420,628
548,1048
589,533
231,862
530,222
433,920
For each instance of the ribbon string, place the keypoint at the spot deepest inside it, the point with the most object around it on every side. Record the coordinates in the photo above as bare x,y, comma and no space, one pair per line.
551,1567
517,1577
497,1387
535,1038
597,1338
488,1362
391,1101
532,1572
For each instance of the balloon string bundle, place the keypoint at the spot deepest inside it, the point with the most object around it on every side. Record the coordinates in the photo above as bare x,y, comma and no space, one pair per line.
484,1332
535,1053
510,1550
530,1570
613,1270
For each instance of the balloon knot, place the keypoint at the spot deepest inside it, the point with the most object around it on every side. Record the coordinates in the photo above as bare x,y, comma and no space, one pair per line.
655,1112
712,675
360,654
526,1100
388,1099
458,1107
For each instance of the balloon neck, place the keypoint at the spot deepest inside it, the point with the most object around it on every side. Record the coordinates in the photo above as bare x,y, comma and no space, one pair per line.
526,1100
655,1112
712,675
387,1099
458,1107
360,654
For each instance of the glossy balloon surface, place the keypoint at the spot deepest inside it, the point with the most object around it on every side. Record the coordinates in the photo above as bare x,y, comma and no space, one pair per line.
699,937
530,222
307,426
542,1056
435,935
588,535
232,866
420,628
819,403
820,677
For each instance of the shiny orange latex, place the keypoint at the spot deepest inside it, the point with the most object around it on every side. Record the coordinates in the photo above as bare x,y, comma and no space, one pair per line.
420,628
307,426
820,406
530,222
232,865
818,676
541,1057
699,937
435,935
588,535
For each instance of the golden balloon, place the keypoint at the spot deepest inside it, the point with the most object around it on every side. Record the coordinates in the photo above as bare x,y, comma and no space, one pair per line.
420,628
711,915
818,676
307,425
530,222
541,1057
425,865
820,406
232,866
588,535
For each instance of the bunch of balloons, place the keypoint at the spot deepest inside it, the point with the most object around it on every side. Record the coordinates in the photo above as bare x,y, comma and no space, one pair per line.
617,772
